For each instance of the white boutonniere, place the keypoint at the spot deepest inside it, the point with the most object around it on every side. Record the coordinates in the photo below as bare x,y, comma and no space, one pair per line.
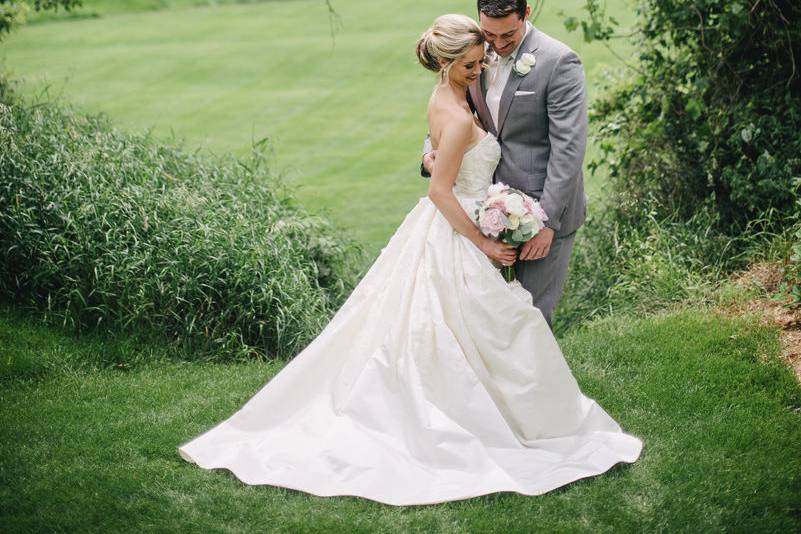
524,65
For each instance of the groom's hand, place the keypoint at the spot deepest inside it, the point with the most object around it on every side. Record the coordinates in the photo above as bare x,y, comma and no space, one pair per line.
538,246
428,161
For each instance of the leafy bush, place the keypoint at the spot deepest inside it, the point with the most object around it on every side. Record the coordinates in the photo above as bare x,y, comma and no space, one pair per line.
13,12
701,141
109,230
711,119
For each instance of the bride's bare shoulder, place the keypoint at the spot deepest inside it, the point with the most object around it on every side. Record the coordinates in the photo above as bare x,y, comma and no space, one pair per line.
445,108
445,116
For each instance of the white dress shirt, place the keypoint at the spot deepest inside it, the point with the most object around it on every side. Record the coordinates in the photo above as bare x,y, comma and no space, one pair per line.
497,75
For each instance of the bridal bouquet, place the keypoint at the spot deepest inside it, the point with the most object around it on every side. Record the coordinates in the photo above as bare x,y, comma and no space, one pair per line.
510,216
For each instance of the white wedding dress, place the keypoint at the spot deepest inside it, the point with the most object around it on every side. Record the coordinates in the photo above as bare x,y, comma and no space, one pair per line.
435,381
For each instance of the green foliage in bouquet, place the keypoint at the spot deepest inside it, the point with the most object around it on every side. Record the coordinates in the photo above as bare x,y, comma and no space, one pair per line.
106,230
520,235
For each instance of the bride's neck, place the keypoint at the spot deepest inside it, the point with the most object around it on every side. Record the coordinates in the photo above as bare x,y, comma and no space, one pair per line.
452,91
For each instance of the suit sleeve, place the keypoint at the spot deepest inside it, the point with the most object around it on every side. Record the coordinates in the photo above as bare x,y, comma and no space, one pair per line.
426,149
567,133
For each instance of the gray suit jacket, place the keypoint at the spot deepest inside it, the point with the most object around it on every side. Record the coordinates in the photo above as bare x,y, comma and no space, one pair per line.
542,130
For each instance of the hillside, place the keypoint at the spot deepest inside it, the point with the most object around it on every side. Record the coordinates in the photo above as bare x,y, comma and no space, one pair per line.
345,116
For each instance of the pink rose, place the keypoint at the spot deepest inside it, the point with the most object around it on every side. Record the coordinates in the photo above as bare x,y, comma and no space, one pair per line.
491,222
533,208
539,212
531,205
498,204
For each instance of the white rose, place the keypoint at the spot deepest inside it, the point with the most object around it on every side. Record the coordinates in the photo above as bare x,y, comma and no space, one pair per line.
528,59
522,68
495,189
515,206
527,219
514,222
492,199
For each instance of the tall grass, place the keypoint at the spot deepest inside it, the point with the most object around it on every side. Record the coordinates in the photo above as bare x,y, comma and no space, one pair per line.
652,262
107,230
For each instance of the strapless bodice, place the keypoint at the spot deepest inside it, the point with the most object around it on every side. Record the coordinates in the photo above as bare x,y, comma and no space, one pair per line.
478,166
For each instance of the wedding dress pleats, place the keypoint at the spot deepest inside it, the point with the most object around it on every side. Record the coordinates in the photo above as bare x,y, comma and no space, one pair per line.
435,381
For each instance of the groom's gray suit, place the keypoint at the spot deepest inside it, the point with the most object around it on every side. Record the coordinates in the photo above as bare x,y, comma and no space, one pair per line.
542,130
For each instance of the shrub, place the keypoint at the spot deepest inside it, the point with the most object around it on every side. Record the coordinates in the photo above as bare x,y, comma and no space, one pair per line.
619,268
701,141
12,12
711,118
107,230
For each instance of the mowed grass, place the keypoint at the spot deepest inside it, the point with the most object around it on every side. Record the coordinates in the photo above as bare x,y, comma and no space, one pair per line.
95,8
89,429
345,116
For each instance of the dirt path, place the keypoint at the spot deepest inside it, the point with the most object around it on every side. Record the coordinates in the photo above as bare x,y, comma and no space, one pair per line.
767,279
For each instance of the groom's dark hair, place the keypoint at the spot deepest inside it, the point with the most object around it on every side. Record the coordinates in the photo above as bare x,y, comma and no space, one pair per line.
502,8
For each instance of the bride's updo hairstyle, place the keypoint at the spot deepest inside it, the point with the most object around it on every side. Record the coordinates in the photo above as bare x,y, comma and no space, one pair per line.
447,40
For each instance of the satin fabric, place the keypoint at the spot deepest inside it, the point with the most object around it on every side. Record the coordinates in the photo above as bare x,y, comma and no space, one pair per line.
435,381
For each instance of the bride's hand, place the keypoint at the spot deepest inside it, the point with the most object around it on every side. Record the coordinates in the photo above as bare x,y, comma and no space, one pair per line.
428,161
499,251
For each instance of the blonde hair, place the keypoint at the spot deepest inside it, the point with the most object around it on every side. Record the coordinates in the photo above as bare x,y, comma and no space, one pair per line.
448,39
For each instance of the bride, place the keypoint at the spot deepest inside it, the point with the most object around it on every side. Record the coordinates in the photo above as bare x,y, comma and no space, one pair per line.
436,380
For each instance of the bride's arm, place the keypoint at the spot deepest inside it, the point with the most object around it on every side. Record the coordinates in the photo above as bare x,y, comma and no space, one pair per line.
453,142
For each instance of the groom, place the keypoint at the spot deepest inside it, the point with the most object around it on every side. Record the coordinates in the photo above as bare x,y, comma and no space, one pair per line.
540,119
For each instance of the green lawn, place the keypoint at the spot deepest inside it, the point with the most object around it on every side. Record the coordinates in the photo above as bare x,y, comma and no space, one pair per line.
89,425
89,429
346,117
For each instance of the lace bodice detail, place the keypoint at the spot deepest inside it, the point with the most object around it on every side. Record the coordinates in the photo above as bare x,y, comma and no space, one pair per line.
478,165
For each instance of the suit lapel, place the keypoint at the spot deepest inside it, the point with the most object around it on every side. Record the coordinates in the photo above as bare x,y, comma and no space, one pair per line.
478,95
530,44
